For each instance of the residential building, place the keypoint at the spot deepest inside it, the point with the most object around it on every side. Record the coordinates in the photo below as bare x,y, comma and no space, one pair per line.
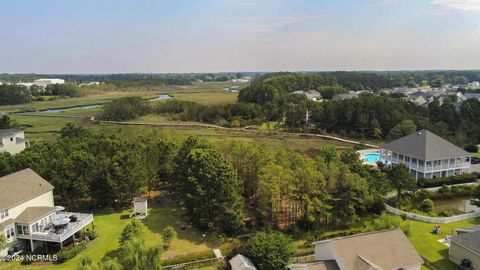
381,250
240,262
427,155
29,218
464,248
351,94
45,82
12,141
310,94
474,85
420,98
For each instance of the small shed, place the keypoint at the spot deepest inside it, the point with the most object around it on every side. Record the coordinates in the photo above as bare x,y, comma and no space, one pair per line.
240,262
140,207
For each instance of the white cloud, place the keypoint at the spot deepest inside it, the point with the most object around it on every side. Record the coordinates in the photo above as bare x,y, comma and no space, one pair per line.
461,5
268,24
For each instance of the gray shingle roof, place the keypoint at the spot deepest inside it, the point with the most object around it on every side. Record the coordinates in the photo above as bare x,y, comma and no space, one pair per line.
32,214
470,241
425,145
8,132
21,186
389,249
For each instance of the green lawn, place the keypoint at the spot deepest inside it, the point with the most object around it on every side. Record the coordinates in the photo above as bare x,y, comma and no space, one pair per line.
109,225
42,128
427,243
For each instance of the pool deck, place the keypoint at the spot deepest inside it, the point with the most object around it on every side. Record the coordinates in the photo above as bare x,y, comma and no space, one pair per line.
362,153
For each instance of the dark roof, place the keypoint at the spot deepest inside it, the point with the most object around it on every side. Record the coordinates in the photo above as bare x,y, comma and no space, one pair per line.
425,145
469,241
468,229
32,214
375,250
21,186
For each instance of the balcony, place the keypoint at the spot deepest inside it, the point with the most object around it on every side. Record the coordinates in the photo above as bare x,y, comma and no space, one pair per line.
427,168
51,236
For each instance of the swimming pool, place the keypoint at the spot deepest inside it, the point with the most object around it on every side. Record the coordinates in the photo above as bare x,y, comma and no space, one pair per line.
372,158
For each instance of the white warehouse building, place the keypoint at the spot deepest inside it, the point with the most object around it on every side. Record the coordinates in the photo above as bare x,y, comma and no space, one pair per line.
45,82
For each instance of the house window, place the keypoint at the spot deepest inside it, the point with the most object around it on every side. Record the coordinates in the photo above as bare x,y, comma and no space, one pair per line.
407,159
394,155
421,162
3,214
9,232
19,229
11,139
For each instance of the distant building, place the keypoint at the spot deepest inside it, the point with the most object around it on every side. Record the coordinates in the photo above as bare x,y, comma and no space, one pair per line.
311,94
350,95
45,82
427,155
245,79
25,84
89,84
420,98
474,85
12,141
381,250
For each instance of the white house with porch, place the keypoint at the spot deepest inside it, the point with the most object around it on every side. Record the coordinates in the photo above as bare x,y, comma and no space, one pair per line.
28,217
427,155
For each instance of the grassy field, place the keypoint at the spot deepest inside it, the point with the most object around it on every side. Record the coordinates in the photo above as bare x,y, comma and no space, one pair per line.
208,98
109,225
427,243
71,102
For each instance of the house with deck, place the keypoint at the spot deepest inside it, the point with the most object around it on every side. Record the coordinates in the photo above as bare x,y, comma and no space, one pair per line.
380,250
29,218
12,141
427,155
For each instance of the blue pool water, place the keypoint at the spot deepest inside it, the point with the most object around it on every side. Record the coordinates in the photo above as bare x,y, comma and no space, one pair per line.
372,157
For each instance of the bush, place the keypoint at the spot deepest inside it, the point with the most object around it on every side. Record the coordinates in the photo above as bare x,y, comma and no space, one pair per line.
67,254
472,148
437,182
270,250
406,228
386,221
168,234
91,234
427,206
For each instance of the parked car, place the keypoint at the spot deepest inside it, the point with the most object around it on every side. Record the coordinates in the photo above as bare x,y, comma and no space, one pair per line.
475,160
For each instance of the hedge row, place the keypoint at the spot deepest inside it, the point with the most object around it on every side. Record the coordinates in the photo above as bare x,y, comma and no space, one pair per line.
451,180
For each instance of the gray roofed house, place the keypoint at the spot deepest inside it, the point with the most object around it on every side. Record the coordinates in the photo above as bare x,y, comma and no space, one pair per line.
427,155
380,250
240,262
465,248
350,95
310,94
21,186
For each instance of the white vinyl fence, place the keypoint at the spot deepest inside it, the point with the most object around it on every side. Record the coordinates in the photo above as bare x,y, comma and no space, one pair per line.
438,220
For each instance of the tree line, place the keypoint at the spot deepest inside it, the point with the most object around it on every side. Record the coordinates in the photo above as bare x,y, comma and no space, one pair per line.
226,187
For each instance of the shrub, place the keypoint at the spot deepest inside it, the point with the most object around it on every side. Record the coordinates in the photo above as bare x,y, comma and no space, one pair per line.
67,254
456,179
403,216
270,250
445,213
194,256
168,234
471,147
91,234
426,206
406,228
386,221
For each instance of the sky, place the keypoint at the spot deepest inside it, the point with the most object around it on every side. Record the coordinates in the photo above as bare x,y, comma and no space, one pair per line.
180,36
